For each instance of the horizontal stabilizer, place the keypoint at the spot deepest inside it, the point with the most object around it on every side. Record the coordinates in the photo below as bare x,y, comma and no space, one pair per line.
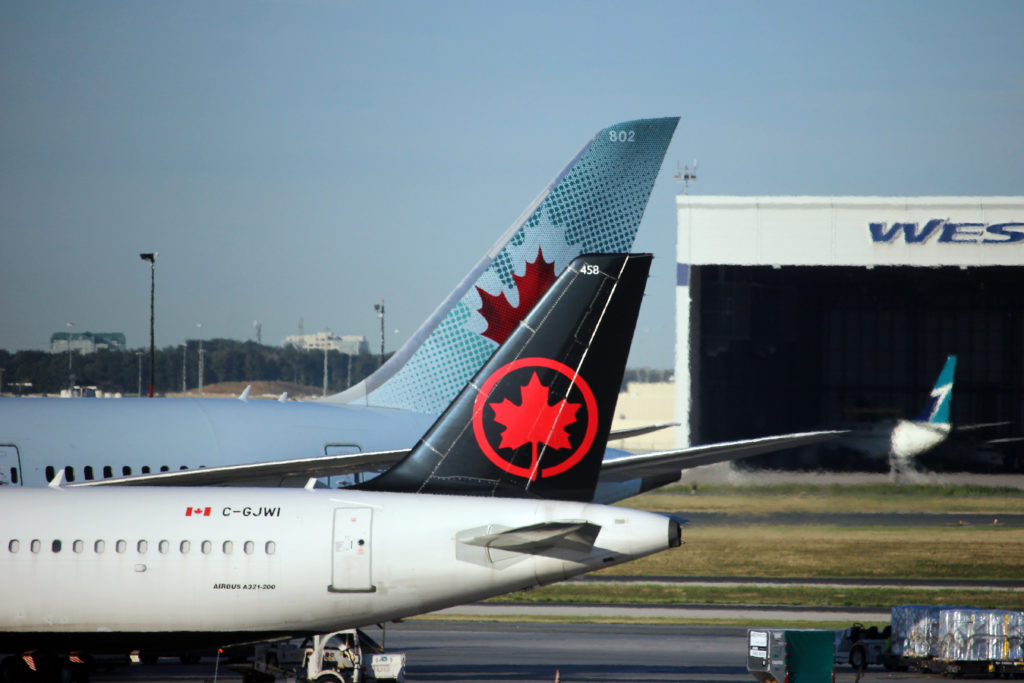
639,431
617,469
982,425
663,462
268,473
570,535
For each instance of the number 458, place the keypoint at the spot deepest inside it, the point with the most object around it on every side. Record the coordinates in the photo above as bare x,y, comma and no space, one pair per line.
590,269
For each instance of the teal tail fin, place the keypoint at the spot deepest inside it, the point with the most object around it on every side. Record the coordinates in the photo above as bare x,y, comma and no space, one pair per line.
937,411
593,206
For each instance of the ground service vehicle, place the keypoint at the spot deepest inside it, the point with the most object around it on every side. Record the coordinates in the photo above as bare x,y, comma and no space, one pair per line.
341,657
791,655
861,647
349,656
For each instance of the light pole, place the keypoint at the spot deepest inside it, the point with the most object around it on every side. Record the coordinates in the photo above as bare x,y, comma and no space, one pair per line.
380,311
325,368
151,257
138,354
71,377
200,326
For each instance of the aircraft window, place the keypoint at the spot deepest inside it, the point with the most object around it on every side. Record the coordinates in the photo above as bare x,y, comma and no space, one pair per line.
99,546
145,469
50,473
88,472
55,546
183,467
77,546
126,471
164,468
108,471
185,547
69,474
228,547
35,545
13,546
271,548
206,547
249,547
164,546
121,546
142,547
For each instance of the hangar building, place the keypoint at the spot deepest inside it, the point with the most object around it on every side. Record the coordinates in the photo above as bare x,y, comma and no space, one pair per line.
796,313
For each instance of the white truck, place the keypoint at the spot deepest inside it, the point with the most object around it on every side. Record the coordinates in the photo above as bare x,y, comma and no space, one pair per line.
348,656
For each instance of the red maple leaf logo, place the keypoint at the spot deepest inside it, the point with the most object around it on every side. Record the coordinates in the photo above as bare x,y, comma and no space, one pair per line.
501,316
533,421
525,425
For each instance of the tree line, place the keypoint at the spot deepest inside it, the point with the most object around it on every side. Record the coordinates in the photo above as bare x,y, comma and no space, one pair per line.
224,360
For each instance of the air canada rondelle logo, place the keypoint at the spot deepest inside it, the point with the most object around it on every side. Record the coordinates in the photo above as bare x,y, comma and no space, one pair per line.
516,399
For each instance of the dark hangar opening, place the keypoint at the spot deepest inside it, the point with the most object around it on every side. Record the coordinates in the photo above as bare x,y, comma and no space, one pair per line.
796,348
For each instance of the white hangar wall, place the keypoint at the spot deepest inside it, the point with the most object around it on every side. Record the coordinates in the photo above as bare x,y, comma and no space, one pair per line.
919,276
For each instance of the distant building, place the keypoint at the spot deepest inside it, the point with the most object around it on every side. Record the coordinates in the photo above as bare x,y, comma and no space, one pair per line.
87,342
643,404
345,343
796,313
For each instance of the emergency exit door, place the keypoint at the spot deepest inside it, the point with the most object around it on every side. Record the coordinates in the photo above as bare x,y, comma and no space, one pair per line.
350,552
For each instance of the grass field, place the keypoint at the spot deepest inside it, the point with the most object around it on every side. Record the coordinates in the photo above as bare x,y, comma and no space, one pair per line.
788,596
809,551
762,500
751,549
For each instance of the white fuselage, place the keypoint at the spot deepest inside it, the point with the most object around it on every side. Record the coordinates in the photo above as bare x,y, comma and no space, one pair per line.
911,438
124,568
97,439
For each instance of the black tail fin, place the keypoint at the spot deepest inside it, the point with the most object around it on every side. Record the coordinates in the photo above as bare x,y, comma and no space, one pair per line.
535,420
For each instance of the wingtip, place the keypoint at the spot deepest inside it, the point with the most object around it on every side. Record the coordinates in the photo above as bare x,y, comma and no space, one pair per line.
58,480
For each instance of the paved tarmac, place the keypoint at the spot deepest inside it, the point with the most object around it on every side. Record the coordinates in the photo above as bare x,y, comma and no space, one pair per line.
487,652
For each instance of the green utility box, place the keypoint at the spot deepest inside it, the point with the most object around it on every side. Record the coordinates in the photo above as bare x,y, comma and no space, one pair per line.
791,655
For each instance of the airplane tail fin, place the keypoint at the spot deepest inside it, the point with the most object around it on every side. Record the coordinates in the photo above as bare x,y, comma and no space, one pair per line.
593,206
535,420
937,410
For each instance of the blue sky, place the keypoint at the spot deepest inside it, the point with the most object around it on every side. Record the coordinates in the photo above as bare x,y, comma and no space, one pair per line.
306,159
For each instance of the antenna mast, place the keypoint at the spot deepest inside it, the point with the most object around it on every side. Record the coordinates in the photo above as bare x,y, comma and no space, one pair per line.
685,175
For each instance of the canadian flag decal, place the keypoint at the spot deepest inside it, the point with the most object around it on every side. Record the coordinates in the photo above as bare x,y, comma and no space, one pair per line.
197,512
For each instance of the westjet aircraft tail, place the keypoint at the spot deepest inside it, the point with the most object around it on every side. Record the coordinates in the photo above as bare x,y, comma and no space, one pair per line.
937,411
911,438
535,419
593,206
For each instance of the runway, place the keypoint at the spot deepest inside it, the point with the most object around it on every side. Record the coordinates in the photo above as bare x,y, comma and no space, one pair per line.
487,652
